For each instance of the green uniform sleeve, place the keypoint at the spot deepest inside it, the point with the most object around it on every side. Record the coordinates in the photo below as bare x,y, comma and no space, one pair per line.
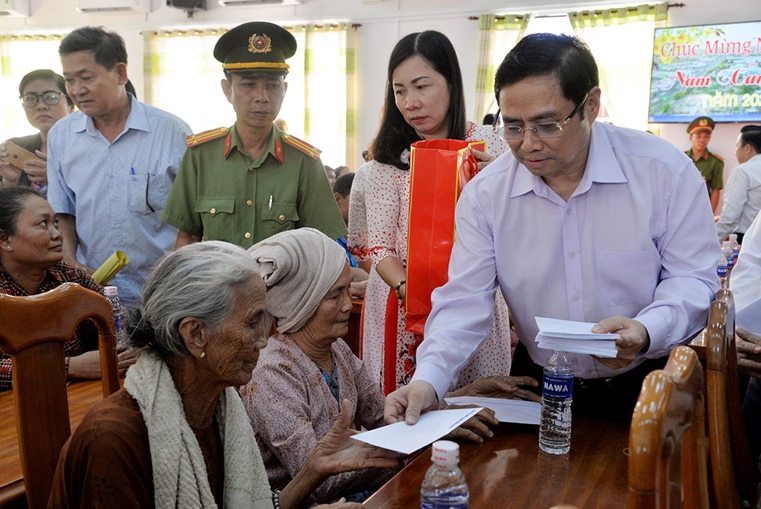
717,175
317,208
179,210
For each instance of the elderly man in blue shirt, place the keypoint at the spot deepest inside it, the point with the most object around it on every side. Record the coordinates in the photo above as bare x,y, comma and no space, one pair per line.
111,164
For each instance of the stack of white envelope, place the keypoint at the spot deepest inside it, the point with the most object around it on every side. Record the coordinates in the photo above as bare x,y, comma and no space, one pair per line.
576,337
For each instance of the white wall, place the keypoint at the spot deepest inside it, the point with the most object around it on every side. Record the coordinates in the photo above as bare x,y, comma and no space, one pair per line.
383,23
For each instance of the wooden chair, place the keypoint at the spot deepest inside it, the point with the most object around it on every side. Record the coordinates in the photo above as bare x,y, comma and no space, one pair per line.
32,331
667,462
733,472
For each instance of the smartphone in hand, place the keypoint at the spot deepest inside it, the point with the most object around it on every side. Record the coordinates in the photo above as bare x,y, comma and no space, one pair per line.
17,155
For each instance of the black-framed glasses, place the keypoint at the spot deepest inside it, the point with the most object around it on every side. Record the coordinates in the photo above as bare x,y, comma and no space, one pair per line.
50,98
540,129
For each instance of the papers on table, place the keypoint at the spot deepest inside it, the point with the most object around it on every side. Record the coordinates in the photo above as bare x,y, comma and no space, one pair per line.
406,439
576,337
506,410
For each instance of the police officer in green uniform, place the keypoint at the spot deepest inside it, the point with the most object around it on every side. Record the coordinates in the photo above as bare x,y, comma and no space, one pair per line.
248,182
710,165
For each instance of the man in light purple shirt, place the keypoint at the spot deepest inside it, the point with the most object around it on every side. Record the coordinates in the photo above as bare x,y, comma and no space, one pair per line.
580,221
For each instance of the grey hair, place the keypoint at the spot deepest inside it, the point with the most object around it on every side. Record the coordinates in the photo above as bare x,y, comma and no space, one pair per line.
197,280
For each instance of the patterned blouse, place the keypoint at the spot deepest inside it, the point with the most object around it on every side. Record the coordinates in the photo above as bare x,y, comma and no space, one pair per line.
58,274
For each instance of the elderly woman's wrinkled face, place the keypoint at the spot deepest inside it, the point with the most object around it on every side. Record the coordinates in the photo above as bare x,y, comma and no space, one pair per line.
232,353
38,241
331,320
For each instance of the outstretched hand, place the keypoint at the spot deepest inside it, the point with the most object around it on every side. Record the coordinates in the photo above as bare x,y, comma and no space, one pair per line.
408,402
336,452
501,387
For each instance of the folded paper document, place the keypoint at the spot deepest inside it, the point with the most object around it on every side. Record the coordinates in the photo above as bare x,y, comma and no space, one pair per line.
576,337
401,437
108,270
506,410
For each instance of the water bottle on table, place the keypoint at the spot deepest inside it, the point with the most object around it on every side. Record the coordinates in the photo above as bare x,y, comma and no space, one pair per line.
557,395
735,247
112,296
444,485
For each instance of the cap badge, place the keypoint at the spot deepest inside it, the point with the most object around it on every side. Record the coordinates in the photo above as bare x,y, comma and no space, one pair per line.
703,122
259,43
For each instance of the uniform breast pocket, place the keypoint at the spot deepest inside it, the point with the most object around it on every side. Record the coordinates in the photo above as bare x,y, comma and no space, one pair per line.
147,193
218,217
628,277
281,217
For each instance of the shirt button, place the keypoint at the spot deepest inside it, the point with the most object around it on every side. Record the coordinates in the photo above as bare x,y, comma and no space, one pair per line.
568,212
281,217
572,254
213,210
575,298
249,203
247,235
250,169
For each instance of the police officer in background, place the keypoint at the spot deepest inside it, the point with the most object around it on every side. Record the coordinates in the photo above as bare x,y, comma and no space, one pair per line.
248,182
711,166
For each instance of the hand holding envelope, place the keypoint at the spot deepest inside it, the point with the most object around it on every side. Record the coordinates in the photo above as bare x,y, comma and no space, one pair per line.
108,270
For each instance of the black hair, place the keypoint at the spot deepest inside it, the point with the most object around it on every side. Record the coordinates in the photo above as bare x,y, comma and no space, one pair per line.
488,119
12,201
108,48
751,135
46,75
394,134
543,54
343,184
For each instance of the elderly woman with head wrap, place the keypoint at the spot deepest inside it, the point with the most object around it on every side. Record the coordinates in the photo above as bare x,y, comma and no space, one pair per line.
306,371
177,434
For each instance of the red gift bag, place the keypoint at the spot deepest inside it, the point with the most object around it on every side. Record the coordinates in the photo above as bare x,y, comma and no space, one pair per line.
440,169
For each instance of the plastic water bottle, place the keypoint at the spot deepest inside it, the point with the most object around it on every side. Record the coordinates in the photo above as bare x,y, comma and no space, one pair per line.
557,395
735,247
444,485
721,270
729,254
112,295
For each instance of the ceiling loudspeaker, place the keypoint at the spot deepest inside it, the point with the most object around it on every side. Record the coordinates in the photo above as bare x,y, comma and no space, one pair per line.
189,6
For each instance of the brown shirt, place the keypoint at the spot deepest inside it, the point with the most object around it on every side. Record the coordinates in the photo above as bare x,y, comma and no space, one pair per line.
106,463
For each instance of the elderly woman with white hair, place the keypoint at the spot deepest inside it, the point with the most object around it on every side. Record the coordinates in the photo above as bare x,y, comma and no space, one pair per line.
307,370
177,434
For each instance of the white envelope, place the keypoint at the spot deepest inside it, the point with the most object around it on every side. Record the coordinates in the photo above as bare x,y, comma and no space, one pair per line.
406,439
506,410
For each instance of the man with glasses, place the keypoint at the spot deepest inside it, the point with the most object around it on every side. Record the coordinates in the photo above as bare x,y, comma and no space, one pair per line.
111,164
246,183
580,221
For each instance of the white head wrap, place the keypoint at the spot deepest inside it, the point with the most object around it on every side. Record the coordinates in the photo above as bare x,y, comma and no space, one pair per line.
298,267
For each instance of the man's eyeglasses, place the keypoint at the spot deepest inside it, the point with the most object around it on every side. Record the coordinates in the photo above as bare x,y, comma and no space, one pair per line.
49,98
540,129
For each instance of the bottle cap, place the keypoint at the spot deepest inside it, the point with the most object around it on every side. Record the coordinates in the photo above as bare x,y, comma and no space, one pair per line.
445,452
110,291
732,237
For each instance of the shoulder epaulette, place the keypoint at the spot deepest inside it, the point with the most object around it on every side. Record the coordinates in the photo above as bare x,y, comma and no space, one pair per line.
211,134
717,156
301,145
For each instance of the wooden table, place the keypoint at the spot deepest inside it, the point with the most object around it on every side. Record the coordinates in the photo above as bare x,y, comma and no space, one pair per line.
82,396
509,471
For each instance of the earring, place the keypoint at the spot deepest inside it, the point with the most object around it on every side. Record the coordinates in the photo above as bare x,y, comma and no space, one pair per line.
203,354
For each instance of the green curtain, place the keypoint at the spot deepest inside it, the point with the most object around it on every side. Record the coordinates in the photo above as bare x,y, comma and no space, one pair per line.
496,36
181,76
329,91
19,55
622,41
